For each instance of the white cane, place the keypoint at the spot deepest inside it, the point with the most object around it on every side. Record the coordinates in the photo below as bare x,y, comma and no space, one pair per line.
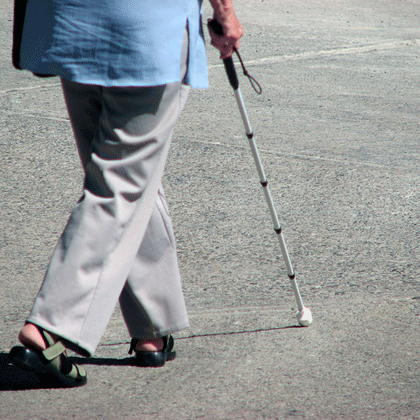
304,314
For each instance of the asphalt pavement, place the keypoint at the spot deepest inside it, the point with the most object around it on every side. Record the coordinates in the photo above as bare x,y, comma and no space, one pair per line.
337,126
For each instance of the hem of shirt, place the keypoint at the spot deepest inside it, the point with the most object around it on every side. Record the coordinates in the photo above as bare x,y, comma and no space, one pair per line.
122,83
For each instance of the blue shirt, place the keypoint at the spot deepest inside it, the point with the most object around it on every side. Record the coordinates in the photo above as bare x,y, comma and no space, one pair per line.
114,42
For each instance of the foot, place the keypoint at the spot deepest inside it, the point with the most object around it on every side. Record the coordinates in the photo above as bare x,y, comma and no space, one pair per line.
31,337
153,352
154,344
44,354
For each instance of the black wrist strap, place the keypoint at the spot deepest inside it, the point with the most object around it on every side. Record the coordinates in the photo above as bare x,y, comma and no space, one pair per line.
257,87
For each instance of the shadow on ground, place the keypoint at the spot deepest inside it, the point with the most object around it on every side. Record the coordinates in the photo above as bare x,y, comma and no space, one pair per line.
13,378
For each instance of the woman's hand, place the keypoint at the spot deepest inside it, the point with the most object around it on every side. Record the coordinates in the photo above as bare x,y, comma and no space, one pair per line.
225,15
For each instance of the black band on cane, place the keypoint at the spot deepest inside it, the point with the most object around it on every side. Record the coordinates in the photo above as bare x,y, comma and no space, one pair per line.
231,73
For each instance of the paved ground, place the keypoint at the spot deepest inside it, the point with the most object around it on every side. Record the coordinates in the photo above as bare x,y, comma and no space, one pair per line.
338,131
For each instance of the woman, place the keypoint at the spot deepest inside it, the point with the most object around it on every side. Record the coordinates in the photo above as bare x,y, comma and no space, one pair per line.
126,68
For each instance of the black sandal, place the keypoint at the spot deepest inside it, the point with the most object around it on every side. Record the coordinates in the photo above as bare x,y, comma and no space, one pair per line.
52,362
154,358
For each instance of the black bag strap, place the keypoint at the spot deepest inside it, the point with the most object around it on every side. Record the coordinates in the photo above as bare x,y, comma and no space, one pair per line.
19,12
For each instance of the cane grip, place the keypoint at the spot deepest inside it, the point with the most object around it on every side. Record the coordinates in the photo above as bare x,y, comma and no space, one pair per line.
228,62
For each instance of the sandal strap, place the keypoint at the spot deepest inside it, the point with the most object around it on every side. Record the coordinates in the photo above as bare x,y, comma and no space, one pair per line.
55,354
48,338
133,345
77,372
54,351
169,344
54,348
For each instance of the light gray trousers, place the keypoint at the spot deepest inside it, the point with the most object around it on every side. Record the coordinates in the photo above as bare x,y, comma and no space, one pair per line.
119,242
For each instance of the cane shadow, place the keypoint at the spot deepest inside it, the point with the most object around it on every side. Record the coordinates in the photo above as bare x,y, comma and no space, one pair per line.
13,379
130,361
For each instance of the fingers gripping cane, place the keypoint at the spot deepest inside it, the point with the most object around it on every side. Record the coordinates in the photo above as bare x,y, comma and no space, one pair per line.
304,315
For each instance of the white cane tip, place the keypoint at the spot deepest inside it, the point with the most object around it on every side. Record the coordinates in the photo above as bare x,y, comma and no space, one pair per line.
304,317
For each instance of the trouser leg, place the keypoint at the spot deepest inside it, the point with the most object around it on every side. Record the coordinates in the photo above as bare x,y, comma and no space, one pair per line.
98,247
152,301
151,307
